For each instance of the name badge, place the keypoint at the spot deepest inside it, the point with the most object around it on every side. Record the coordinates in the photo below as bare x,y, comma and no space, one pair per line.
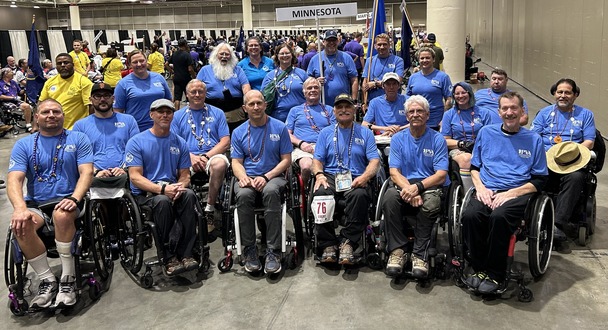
344,181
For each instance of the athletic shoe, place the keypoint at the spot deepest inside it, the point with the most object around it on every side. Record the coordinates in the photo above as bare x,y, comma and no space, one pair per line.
420,268
174,267
396,261
346,254
488,286
273,262
67,292
329,255
474,280
47,290
190,263
252,260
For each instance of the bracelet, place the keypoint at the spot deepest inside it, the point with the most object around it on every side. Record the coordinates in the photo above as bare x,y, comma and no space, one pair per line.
96,172
72,198
300,144
205,155
162,188
320,172
460,144
420,187
265,178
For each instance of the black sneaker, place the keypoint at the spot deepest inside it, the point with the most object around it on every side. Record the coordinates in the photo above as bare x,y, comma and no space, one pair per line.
488,286
252,260
273,262
474,280
46,293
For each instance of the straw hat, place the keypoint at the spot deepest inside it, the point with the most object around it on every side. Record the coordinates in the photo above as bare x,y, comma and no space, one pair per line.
567,157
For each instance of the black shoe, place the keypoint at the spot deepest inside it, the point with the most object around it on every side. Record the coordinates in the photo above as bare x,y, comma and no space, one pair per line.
488,286
474,280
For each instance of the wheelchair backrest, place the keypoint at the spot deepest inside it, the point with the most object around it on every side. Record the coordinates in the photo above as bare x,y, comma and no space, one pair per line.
599,147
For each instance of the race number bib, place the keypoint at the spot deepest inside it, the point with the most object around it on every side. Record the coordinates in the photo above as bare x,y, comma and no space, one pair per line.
344,181
323,209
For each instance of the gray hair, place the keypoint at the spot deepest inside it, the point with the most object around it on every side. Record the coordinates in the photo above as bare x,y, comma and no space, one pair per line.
418,99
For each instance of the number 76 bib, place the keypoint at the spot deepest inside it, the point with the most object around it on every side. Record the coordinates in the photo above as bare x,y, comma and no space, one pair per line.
323,209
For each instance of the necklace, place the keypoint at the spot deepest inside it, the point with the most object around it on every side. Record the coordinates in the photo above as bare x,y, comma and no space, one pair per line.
464,132
192,124
378,59
259,157
53,174
339,155
284,87
311,119
330,70
554,122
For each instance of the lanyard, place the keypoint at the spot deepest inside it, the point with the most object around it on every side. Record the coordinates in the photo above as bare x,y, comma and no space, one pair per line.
464,132
204,122
58,148
378,59
311,119
555,122
339,155
259,157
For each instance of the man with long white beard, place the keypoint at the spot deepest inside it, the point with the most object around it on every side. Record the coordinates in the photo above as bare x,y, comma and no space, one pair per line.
226,84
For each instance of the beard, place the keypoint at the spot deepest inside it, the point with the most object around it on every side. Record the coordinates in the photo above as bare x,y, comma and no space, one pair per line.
223,72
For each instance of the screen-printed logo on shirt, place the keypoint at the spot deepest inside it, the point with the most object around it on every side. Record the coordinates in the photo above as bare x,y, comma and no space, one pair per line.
401,112
523,153
391,65
11,163
210,119
359,141
275,137
577,122
477,120
174,150
340,64
265,68
70,148
129,157
53,88
119,124
158,84
428,152
435,82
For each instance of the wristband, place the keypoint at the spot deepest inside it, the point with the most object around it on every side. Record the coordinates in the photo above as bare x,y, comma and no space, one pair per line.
420,187
321,172
205,155
72,198
162,188
300,144
96,172
460,144
265,178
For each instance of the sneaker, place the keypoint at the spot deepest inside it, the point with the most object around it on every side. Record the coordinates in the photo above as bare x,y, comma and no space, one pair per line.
474,280
273,262
329,255
488,286
420,268
67,292
396,261
174,267
46,293
210,217
252,260
346,254
190,263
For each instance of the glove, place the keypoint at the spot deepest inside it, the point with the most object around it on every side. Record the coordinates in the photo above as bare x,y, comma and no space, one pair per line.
466,146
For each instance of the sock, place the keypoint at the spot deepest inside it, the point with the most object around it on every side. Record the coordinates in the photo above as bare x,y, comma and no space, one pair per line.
67,259
41,267
467,182
209,208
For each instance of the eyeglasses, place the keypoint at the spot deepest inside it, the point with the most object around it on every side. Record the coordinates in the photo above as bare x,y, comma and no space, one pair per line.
101,96
284,54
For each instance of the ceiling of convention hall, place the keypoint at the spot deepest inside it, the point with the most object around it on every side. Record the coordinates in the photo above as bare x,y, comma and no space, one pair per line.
63,3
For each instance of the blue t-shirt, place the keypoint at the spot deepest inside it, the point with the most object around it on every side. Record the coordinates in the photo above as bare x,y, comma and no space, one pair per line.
209,133
338,69
434,87
487,99
379,67
289,91
463,126
160,157
135,96
419,158
384,113
215,87
109,137
254,74
508,161
265,145
577,126
363,149
306,125
76,150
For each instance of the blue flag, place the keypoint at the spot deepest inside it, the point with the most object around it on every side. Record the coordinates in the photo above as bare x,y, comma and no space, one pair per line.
376,26
239,44
406,39
35,79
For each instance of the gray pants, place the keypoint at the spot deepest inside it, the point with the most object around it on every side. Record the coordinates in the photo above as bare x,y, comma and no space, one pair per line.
166,212
245,205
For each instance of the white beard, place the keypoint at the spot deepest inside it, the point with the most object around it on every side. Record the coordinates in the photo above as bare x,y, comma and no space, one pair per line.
223,72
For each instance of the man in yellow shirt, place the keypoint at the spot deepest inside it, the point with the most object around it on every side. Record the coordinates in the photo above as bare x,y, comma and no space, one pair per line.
156,60
70,90
82,63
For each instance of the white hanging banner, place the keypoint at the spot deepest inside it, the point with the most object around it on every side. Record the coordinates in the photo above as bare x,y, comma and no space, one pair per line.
313,12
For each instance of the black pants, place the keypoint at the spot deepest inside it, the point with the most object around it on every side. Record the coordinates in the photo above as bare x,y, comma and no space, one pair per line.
569,188
166,212
487,233
394,209
356,210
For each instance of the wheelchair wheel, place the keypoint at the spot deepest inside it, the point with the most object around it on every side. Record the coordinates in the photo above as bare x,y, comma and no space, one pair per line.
295,209
591,214
540,240
456,195
383,188
131,235
101,248
10,262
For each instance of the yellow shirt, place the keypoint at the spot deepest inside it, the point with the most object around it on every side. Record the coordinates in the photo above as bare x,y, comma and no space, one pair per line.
111,74
73,94
157,62
81,62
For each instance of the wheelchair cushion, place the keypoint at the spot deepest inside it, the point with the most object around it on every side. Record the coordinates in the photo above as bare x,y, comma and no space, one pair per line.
109,188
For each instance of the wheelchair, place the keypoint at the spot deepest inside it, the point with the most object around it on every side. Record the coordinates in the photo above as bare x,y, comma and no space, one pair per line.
12,115
231,238
368,252
536,227
90,245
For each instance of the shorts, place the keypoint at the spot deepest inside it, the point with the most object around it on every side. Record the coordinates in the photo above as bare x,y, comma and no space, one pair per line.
455,152
179,89
298,153
222,156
